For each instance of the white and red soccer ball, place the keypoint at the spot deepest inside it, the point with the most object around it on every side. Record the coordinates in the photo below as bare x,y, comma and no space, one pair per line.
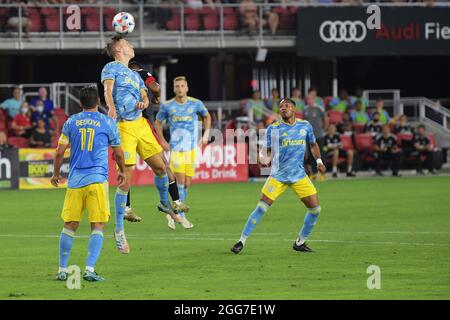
123,23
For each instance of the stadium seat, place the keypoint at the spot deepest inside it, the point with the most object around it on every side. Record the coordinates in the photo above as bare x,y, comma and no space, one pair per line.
49,11
230,22
35,18
92,22
109,11
174,23
211,21
107,19
403,137
347,143
358,127
228,11
18,142
432,138
59,111
192,22
364,142
335,117
52,23
86,11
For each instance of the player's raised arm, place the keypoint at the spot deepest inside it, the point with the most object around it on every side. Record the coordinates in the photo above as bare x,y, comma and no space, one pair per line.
109,86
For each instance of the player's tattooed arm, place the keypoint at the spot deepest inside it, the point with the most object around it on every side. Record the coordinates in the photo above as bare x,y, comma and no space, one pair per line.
57,163
109,86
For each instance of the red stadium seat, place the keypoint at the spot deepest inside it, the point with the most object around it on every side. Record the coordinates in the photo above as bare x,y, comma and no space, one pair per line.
358,127
52,23
18,142
230,22
432,138
210,22
107,19
192,22
174,23
109,11
207,10
228,11
364,142
92,22
85,11
49,11
347,143
59,111
403,137
335,117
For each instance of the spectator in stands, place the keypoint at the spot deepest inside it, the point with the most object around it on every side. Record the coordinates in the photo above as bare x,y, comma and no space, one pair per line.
402,126
359,97
274,101
312,94
12,105
21,124
249,15
41,136
48,117
423,149
333,149
256,104
319,121
386,149
4,141
359,116
341,103
296,96
383,115
43,96
270,17
15,20
374,127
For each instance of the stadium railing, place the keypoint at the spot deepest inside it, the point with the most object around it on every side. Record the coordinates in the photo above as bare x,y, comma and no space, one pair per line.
157,25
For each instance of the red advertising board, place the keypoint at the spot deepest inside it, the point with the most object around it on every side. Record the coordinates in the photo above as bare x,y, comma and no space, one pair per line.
216,163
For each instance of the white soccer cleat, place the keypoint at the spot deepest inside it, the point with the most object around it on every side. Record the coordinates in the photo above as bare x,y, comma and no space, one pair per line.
187,224
170,222
121,242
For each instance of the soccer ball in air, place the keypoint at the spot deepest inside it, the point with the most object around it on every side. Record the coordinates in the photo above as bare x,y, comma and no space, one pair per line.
123,23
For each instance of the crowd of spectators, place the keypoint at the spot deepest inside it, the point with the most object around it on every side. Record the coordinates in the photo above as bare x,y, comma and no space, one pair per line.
29,123
347,129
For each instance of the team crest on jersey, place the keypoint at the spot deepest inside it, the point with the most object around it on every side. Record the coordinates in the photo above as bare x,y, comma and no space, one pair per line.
284,134
173,110
190,110
271,189
302,132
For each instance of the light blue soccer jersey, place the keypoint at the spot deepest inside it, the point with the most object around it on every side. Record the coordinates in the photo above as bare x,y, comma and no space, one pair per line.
288,145
127,89
89,135
183,122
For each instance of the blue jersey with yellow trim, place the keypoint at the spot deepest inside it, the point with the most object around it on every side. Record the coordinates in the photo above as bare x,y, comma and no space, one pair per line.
89,135
288,145
127,89
183,122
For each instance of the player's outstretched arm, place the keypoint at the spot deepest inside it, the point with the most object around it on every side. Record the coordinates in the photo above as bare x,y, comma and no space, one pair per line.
315,150
120,160
109,86
57,163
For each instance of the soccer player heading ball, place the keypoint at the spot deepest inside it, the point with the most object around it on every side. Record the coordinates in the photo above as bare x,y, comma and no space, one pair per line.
285,146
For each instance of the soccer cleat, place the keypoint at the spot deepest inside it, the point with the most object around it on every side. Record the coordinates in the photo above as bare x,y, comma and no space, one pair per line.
351,174
62,276
92,276
168,210
237,247
170,222
121,242
334,175
302,248
379,173
186,224
179,206
130,216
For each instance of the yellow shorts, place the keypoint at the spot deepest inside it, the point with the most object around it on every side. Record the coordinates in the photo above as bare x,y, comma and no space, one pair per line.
303,188
137,136
183,162
93,197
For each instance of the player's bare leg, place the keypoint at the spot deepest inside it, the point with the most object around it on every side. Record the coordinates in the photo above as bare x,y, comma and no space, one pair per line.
313,206
263,205
129,214
350,156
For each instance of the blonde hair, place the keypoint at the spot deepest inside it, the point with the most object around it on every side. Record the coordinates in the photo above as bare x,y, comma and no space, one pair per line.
180,78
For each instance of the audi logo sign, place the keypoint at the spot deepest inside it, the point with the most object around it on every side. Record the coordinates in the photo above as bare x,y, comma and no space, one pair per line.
342,31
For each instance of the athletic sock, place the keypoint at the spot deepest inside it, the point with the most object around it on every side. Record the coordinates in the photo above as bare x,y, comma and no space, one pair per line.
120,200
174,190
65,246
94,248
129,198
162,183
334,169
308,224
349,169
254,219
182,190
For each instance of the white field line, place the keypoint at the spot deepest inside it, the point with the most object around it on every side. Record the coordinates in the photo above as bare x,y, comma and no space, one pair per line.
234,239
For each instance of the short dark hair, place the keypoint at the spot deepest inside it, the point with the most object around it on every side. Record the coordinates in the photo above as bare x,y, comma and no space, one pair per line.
288,100
111,46
421,126
134,64
89,97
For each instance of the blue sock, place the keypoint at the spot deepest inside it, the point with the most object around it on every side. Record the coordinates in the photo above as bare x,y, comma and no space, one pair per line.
253,219
120,201
310,220
65,246
94,247
162,183
182,191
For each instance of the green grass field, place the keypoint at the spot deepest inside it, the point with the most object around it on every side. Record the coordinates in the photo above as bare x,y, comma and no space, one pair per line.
401,225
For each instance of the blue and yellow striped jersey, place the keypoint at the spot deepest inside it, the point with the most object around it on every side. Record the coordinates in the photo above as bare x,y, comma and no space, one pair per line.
89,135
183,122
127,89
288,145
